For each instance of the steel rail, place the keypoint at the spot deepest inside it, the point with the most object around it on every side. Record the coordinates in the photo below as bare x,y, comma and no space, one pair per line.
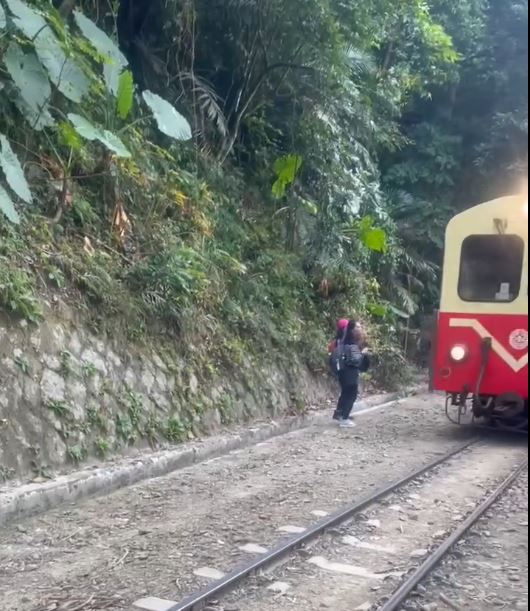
230,581
410,584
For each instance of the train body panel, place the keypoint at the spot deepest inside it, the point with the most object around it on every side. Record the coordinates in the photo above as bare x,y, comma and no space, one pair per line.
507,363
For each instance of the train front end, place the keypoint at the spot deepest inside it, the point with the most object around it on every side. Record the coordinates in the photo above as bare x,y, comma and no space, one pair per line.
480,356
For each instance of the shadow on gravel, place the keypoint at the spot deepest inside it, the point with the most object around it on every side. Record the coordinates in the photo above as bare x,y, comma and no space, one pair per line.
504,437
457,433
468,431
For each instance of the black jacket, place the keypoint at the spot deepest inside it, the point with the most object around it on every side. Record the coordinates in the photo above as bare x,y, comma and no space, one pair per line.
349,376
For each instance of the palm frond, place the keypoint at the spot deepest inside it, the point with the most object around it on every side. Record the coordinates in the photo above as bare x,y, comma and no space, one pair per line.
362,63
416,264
404,298
207,101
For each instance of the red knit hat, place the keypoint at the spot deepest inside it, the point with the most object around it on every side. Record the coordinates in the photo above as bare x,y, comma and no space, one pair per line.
342,325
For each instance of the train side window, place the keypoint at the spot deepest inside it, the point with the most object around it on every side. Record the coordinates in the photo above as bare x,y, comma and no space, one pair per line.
491,268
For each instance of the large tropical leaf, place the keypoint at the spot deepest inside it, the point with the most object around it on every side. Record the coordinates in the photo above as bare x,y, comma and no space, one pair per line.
115,61
114,144
85,128
374,238
111,74
286,169
26,19
99,39
400,313
90,132
3,20
38,119
64,73
68,136
13,171
27,74
379,310
32,82
7,207
125,94
169,120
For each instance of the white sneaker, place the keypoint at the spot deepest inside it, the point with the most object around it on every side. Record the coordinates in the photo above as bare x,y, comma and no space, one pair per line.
347,424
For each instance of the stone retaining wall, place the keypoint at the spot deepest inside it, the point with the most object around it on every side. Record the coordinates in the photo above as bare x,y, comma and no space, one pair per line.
67,396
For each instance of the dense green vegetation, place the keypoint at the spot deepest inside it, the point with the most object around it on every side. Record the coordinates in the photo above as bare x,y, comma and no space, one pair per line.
239,172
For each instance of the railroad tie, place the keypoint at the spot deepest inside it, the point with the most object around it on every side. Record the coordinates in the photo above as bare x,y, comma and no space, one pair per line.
154,604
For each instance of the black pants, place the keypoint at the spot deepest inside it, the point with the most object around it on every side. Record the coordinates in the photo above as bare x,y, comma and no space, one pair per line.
347,400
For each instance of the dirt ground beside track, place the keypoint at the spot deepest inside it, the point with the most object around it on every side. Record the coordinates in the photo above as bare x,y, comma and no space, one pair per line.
150,539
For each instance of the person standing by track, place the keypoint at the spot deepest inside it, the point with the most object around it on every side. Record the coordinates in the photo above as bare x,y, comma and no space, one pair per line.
348,360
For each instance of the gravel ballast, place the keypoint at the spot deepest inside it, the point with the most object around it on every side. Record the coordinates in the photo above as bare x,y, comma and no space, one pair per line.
156,538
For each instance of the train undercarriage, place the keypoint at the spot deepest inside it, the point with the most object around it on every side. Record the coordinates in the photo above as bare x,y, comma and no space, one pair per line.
507,412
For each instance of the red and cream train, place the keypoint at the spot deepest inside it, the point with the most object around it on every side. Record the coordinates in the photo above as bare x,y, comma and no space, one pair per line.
480,348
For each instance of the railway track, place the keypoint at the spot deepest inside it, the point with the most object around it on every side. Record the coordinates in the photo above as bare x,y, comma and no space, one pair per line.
438,553
220,588
235,578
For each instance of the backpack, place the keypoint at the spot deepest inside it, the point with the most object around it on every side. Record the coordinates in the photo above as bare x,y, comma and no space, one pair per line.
335,360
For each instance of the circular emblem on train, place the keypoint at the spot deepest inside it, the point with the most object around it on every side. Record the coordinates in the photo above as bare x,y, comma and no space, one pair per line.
519,339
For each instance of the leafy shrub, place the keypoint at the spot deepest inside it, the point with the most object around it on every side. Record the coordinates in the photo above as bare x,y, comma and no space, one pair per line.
18,295
390,368
175,430
102,447
168,280
61,409
98,276
77,453
125,429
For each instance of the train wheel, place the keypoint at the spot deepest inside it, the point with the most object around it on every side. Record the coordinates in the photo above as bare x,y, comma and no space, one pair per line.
510,413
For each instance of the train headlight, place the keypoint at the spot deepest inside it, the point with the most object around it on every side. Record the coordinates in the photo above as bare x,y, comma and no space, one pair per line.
458,353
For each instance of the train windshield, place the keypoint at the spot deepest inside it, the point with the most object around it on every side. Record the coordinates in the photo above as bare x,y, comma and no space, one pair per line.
491,268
